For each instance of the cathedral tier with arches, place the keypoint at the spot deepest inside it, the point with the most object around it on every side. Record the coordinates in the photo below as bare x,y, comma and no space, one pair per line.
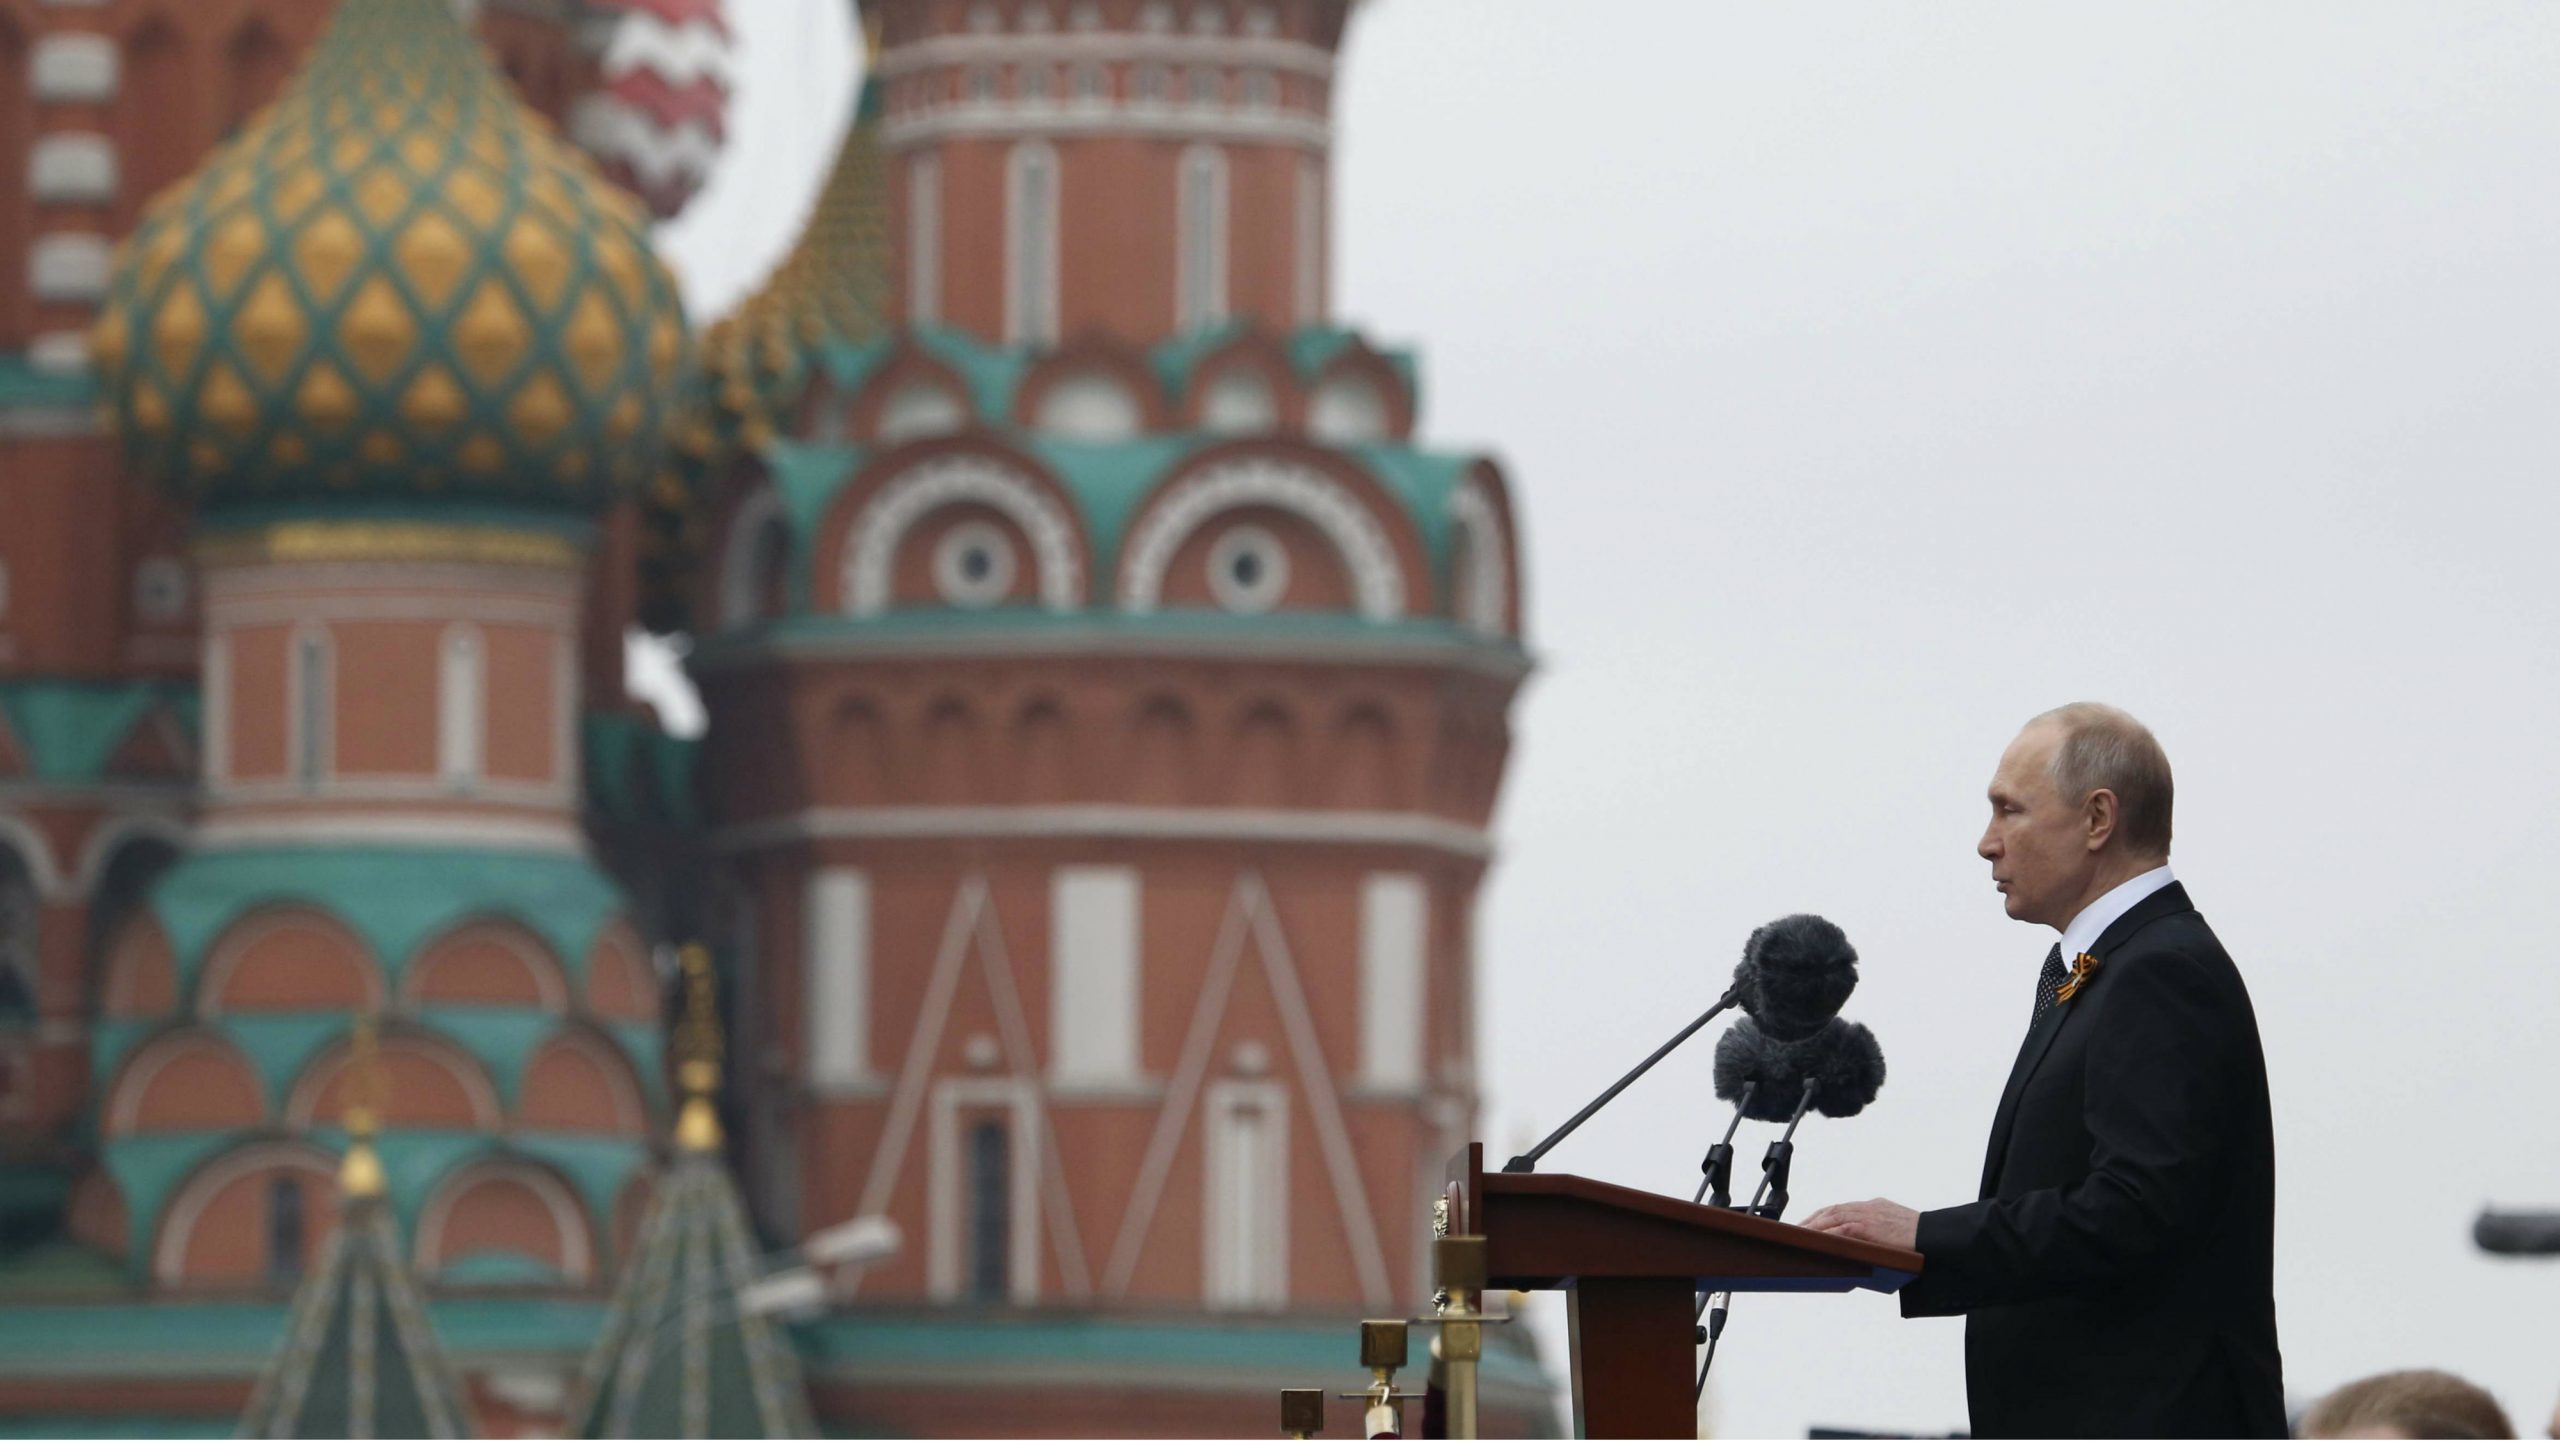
1107,703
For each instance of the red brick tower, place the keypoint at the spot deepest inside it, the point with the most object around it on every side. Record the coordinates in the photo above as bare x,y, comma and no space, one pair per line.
1108,705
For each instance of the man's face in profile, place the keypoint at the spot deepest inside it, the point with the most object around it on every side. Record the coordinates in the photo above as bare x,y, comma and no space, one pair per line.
2036,843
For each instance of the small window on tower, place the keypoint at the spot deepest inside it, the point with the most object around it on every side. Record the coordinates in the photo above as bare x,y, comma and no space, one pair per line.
984,20
1086,16
17,942
1261,23
1208,20
1206,88
1090,82
1261,92
1155,17
311,710
160,589
1151,83
1034,84
982,85
284,1231
1036,20
973,565
990,1213
1248,570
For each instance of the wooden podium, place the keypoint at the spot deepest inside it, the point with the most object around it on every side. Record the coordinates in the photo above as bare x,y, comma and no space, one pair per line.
1634,1263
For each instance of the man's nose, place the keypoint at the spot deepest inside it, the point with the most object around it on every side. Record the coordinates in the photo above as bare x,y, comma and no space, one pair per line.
1988,847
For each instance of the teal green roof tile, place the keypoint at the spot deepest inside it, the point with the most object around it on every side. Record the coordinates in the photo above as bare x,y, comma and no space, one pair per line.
147,1168
281,1043
494,1268
1110,478
807,476
71,729
849,364
63,1268
501,1038
599,1166
169,1337
644,1044
395,898
110,1041
1424,480
1174,360
26,385
891,1341
992,373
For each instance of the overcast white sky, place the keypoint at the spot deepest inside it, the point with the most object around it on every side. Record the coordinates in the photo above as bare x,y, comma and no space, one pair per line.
1876,376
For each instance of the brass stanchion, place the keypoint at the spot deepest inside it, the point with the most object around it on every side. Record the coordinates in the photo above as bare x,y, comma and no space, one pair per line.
1302,1412
1458,1268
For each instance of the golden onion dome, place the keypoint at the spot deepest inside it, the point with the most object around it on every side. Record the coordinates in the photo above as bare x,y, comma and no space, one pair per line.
395,281
832,288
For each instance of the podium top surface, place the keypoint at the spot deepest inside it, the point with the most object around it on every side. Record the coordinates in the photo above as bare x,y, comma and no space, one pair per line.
1548,1232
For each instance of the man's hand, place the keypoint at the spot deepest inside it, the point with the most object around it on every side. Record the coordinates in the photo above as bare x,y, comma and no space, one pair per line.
1879,1221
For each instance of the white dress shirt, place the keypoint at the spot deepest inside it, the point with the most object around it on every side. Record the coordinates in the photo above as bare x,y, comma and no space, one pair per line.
2106,910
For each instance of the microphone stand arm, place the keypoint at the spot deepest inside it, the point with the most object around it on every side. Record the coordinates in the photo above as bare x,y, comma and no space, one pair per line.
1775,1165
1718,1165
1529,1160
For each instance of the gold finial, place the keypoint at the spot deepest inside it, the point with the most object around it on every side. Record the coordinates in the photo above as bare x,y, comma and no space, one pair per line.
360,1174
698,1052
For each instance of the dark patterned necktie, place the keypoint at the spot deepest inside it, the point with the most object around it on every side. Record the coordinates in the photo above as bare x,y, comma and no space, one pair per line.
2047,983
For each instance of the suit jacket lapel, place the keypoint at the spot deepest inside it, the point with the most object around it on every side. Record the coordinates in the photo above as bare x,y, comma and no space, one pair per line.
2168,900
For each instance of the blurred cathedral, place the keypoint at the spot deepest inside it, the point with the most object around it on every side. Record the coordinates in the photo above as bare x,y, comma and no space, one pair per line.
1075,882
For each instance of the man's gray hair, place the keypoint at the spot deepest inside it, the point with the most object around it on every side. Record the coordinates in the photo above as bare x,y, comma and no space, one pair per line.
2104,749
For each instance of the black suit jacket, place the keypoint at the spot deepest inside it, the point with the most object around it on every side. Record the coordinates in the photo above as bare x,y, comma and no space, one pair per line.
2117,1273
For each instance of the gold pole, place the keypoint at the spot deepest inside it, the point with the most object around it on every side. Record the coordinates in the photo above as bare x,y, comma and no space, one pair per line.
698,1053
360,1174
1459,1267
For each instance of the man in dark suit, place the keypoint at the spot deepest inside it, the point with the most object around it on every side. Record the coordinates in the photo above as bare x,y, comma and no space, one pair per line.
2117,1272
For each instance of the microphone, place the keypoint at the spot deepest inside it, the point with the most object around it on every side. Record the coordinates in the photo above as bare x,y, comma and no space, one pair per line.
2517,1233
1760,1076
1839,1068
1763,1076
1794,975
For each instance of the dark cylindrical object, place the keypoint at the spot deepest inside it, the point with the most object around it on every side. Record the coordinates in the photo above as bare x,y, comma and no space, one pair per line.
2517,1233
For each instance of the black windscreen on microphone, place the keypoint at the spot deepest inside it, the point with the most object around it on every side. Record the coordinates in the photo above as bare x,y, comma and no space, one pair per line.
1842,1058
1795,974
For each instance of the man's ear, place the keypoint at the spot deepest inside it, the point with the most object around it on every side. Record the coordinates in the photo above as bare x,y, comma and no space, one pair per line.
2101,812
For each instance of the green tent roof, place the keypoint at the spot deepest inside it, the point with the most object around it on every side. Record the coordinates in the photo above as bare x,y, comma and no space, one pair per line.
359,1356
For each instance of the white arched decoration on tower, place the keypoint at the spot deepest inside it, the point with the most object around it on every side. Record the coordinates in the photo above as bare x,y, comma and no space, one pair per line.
871,554
1482,602
1377,578
186,1208
568,1218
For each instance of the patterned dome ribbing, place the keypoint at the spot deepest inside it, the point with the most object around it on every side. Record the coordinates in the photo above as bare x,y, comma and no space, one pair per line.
833,287
396,281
